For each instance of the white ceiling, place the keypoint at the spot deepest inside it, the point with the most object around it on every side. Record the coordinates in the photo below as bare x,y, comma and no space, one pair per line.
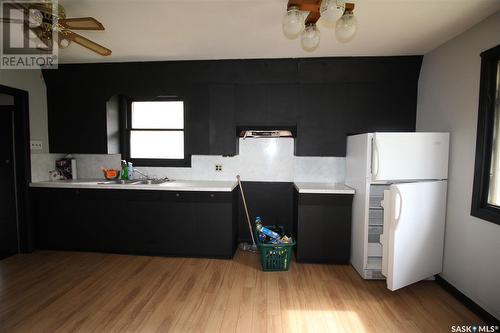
145,30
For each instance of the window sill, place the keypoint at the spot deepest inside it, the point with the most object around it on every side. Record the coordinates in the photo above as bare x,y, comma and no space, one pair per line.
489,214
153,162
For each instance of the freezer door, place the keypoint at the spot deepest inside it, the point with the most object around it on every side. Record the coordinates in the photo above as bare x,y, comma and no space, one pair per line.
413,232
409,156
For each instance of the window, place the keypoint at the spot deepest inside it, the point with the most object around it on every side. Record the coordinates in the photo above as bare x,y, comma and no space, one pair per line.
486,191
155,133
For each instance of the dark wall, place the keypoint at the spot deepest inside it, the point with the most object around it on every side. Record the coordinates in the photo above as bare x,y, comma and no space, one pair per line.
326,98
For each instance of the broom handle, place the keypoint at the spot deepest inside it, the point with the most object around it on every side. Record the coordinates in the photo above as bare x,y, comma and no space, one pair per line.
246,209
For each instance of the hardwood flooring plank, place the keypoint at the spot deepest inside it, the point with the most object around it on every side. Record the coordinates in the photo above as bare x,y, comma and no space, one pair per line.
51,291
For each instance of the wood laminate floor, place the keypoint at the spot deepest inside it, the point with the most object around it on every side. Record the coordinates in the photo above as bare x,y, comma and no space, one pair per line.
93,292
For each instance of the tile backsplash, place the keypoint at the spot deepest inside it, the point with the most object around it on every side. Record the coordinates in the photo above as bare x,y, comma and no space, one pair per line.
269,159
87,165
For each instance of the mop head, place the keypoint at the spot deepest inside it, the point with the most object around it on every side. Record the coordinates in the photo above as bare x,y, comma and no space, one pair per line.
248,247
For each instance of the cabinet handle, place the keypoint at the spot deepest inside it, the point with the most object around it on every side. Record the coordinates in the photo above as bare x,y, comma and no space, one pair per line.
212,195
177,195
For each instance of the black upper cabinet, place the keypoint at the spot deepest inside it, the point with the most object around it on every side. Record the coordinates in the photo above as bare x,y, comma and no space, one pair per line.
282,103
266,104
325,98
250,104
322,120
222,140
77,123
196,101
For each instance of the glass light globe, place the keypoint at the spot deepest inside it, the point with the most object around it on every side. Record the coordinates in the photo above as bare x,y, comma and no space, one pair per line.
64,43
332,10
293,23
310,38
35,18
346,27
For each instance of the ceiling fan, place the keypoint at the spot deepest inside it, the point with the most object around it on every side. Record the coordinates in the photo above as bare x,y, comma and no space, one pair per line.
45,19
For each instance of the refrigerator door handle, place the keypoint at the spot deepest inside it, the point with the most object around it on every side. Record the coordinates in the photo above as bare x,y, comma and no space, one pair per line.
398,207
375,158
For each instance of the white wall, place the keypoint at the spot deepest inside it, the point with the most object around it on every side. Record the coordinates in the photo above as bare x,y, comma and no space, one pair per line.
31,81
448,96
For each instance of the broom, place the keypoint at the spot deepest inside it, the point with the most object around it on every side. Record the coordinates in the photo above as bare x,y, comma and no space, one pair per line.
245,246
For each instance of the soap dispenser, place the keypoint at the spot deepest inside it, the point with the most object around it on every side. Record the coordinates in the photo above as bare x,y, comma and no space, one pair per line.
124,173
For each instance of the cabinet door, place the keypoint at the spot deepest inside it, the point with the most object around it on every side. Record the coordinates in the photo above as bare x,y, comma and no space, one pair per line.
59,221
321,120
223,139
175,219
132,222
324,228
213,220
76,127
196,101
282,103
147,222
251,104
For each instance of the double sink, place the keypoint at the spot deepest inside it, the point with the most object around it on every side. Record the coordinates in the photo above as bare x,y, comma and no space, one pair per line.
135,182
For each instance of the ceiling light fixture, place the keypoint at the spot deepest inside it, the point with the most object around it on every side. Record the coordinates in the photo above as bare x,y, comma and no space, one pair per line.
293,22
346,27
302,15
310,37
332,10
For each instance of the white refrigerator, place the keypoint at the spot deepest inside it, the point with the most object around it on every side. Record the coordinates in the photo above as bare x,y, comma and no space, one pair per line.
399,208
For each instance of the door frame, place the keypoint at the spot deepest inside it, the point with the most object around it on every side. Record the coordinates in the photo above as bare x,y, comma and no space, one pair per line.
22,163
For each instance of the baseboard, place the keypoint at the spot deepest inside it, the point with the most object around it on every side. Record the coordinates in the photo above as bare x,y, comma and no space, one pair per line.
488,318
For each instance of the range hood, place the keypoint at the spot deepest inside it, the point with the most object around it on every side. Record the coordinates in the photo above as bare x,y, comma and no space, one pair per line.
266,131
266,134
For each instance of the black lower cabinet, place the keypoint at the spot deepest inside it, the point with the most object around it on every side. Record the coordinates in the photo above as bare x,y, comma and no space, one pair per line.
322,225
170,223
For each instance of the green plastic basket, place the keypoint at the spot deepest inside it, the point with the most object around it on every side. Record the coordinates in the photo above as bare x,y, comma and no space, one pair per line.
274,257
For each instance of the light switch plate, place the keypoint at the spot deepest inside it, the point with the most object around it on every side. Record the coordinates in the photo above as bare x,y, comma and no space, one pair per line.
36,145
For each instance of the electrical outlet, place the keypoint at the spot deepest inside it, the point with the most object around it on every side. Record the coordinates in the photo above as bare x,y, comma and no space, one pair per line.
36,145
218,167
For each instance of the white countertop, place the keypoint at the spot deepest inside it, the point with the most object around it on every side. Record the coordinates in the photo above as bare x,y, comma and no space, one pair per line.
176,185
323,188
190,185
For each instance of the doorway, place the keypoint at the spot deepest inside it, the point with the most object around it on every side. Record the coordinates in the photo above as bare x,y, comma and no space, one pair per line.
16,231
9,236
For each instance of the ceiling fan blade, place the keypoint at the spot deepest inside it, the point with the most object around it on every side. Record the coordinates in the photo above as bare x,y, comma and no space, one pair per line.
81,23
9,20
99,49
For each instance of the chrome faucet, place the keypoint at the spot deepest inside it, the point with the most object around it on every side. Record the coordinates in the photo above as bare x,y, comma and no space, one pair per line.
152,180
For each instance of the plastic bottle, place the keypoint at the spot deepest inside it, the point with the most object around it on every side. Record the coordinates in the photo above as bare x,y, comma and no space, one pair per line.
130,170
258,226
268,232
258,220
124,173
